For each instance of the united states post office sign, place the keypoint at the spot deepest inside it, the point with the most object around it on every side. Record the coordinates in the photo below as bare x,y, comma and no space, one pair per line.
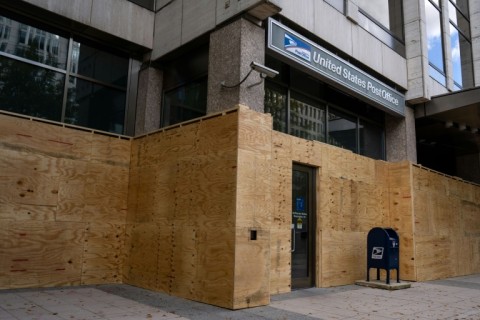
340,73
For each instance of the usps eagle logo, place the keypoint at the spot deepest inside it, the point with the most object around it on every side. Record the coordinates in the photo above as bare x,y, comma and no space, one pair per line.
297,47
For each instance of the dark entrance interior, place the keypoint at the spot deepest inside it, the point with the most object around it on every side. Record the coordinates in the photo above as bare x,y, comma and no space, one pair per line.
303,227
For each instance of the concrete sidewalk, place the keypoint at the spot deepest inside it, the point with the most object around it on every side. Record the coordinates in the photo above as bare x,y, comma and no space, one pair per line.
455,298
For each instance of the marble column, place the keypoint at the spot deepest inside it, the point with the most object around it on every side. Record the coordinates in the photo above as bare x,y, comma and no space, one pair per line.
149,99
400,137
232,49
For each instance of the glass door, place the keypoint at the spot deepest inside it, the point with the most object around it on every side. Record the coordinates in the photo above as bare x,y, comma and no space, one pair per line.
303,227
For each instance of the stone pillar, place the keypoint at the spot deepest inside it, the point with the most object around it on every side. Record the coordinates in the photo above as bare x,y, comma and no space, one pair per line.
475,27
149,99
416,51
232,49
400,137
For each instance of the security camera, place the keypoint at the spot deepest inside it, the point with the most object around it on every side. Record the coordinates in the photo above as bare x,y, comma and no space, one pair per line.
264,71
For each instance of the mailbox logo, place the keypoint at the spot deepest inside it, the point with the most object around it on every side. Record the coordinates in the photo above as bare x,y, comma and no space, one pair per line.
377,253
297,47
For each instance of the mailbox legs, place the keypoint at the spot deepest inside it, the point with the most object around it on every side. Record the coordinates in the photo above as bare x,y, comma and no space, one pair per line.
388,274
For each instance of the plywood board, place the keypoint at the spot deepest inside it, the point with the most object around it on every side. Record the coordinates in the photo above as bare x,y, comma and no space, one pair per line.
111,150
48,192
303,152
215,270
20,212
369,206
336,214
184,262
281,180
46,253
51,140
255,132
434,257
344,257
253,191
280,260
281,149
252,268
30,189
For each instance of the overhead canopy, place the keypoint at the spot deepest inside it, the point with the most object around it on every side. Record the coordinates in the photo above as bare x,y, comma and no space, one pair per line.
451,120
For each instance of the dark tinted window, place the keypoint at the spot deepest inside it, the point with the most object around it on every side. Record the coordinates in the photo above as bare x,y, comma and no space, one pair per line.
95,106
31,90
307,118
33,76
371,140
185,103
276,105
99,65
342,130
25,41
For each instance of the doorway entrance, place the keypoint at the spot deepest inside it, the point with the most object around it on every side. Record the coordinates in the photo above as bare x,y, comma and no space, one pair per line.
303,227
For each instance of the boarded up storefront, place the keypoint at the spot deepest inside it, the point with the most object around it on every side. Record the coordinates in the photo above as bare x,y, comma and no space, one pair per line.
203,210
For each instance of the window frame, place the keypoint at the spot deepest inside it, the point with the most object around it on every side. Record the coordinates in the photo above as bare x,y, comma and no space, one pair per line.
467,38
164,110
432,66
292,92
68,73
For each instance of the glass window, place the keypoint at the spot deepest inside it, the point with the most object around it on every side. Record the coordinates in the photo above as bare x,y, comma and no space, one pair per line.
29,89
185,103
307,118
458,20
460,45
435,43
371,140
99,65
34,44
276,105
462,63
310,109
461,5
386,13
5,27
95,106
342,130
33,76
377,9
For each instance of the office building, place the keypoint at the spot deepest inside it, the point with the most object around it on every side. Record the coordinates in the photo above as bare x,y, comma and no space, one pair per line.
224,150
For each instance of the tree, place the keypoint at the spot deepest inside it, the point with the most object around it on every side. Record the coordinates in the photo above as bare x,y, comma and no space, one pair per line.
28,89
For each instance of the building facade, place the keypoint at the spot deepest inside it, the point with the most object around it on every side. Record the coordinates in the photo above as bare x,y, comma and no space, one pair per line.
163,63
387,81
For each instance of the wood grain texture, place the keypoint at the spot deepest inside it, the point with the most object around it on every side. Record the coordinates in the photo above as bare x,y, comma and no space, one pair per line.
447,226
59,188
174,210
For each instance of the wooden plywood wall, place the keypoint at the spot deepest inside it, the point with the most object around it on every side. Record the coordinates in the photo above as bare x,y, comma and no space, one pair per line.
253,209
181,225
175,210
447,225
63,204
354,194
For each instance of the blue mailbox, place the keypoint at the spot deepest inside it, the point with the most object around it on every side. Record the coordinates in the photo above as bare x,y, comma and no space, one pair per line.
383,248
